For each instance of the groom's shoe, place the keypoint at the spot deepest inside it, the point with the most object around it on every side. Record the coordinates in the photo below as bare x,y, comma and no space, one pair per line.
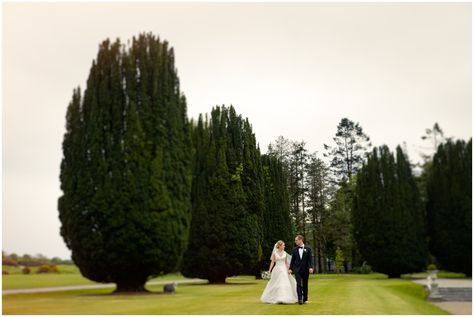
300,302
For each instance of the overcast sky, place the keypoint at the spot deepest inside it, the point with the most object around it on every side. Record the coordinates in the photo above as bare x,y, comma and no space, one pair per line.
292,69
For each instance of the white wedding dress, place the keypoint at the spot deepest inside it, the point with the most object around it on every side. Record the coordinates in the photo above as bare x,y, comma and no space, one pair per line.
281,287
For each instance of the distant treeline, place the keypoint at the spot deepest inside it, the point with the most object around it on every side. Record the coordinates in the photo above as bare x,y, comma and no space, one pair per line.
14,259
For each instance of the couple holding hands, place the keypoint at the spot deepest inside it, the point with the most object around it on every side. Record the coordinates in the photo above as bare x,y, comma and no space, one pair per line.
283,288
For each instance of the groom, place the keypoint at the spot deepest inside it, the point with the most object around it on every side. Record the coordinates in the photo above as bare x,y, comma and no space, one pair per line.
302,265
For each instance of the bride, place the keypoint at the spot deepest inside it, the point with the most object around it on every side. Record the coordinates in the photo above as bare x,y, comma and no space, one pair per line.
281,289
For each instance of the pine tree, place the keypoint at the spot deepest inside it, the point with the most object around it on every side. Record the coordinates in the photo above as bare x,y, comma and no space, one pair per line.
349,153
297,185
281,149
126,170
436,136
318,194
338,223
449,206
347,156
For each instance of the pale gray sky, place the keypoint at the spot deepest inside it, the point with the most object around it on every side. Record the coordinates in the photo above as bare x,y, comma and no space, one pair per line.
292,69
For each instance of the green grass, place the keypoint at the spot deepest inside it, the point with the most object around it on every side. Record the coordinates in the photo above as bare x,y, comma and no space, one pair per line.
69,275
17,281
43,280
329,294
440,274
68,269
11,269
62,269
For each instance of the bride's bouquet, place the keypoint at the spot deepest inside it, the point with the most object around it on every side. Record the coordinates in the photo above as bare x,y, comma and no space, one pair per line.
266,275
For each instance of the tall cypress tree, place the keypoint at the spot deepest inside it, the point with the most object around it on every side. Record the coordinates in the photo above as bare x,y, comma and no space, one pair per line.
253,187
293,156
449,206
387,214
126,170
276,218
225,237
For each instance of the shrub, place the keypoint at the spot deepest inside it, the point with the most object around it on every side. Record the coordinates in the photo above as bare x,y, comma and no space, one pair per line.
46,268
5,272
364,269
432,267
26,270
339,260
9,262
29,263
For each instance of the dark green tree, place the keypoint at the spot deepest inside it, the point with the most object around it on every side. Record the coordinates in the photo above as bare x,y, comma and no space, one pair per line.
349,153
338,225
346,158
436,136
126,170
449,206
318,198
252,178
388,214
276,218
226,228
298,164
283,149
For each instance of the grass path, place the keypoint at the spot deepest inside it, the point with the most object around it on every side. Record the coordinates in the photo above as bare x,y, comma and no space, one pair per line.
329,294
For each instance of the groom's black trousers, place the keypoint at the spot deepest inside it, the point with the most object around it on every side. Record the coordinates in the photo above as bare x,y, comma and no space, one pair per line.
302,285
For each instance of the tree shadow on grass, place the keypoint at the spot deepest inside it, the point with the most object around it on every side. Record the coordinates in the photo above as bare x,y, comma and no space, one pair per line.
223,284
129,294
240,283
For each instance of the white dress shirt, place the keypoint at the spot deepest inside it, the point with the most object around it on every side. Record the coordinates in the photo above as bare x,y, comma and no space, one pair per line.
301,251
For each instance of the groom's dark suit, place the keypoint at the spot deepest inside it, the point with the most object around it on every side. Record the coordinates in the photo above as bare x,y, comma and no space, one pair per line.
301,266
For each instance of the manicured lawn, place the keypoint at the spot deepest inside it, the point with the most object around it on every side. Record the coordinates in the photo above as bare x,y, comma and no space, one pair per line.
329,294
62,269
43,280
440,274
16,281
69,275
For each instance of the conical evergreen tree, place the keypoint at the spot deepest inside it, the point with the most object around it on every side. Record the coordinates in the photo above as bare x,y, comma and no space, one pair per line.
253,187
449,206
387,214
276,218
126,171
225,237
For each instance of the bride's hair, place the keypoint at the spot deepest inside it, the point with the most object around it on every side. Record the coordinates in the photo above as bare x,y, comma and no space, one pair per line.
275,247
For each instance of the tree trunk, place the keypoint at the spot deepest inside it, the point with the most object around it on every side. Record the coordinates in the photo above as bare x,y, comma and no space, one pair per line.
257,273
316,249
131,284
320,264
217,280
